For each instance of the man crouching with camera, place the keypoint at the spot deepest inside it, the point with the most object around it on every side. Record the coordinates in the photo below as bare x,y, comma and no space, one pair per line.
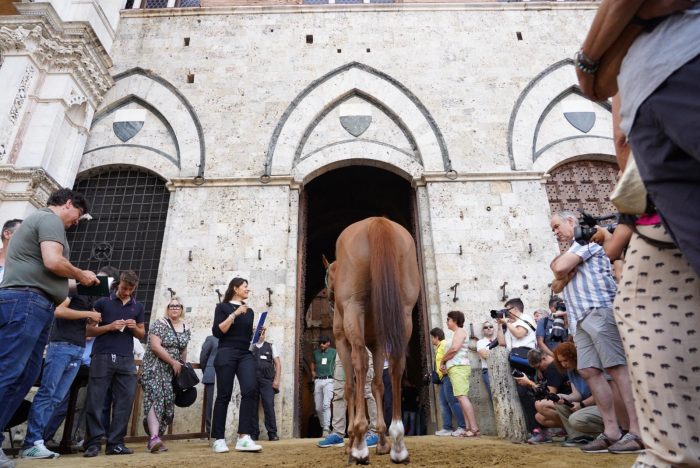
584,275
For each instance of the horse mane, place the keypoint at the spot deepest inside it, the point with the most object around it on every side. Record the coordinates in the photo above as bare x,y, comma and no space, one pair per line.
386,292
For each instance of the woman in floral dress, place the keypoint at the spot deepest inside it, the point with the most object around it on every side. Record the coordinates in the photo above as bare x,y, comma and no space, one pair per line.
161,362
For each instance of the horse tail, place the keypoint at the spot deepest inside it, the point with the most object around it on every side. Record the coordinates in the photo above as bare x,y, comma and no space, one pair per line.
386,292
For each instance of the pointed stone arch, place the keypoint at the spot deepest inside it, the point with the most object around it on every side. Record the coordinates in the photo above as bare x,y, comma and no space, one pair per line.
381,90
527,149
183,132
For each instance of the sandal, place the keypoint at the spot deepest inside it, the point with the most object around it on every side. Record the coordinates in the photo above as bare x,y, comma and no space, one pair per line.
470,433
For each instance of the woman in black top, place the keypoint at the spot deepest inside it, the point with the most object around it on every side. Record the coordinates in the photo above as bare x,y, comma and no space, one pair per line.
233,326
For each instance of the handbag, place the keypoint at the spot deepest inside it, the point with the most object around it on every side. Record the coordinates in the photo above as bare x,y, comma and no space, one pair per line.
630,195
187,378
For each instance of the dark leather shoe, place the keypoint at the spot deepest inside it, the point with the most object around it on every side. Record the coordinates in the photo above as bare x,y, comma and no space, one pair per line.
273,437
119,450
92,451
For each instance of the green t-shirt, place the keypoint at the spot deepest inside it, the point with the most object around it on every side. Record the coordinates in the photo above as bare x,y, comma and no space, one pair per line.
24,265
325,362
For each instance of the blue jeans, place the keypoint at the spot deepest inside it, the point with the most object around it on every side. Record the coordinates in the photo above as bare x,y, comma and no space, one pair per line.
449,406
487,381
25,319
61,366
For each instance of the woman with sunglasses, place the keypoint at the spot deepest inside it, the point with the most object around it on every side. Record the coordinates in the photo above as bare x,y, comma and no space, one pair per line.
166,349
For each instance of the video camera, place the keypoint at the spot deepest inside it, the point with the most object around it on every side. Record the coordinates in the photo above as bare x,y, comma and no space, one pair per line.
541,392
587,226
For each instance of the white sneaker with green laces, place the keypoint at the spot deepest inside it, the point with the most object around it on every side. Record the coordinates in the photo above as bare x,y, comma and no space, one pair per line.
246,444
38,450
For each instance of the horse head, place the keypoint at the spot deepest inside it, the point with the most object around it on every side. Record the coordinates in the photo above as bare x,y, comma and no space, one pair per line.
330,277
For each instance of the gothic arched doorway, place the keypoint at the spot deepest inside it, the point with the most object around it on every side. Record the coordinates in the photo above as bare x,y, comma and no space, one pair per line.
328,204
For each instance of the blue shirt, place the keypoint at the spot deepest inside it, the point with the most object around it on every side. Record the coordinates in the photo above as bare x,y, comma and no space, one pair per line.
544,330
580,384
120,343
592,286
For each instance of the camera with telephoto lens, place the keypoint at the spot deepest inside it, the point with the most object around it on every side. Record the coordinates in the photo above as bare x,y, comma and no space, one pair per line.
558,332
587,226
496,314
541,392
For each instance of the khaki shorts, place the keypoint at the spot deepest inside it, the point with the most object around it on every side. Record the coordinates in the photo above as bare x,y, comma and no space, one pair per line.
598,342
459,377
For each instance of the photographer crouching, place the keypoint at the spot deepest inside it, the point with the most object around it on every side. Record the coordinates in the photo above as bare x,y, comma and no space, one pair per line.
547,383
584,275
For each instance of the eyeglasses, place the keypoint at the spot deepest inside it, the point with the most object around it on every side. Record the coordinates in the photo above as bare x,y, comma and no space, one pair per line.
175,306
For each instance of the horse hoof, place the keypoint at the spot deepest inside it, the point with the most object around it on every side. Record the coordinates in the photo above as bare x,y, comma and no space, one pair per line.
399,456
358,461
383,449
406,461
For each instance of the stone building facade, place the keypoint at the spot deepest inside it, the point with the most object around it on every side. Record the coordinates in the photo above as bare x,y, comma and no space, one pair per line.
457,112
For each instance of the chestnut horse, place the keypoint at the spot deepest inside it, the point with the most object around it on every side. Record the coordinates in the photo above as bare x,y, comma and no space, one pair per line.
374,283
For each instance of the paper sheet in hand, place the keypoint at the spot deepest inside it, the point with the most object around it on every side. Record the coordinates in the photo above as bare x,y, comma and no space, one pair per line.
99,290
258,329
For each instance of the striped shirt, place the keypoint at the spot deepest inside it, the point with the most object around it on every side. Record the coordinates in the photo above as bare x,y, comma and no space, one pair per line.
593,284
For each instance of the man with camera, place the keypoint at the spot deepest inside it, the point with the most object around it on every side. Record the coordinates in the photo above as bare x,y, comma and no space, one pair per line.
584,275
551,330
516,331
544,388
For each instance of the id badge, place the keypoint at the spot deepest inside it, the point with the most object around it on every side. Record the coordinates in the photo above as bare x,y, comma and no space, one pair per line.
263,357
324,361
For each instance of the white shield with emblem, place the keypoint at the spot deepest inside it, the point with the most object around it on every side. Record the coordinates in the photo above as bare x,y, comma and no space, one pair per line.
355,117
128,122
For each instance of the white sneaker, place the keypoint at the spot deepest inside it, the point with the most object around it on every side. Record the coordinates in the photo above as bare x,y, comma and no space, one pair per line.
220,446
458,432
38,450
443,433
5,462
246,444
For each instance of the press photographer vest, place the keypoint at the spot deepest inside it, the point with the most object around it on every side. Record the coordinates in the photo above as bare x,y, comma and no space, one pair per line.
264,361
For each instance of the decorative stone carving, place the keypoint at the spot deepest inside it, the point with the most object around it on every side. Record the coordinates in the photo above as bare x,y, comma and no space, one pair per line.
39,185
17,105
58,46
75,98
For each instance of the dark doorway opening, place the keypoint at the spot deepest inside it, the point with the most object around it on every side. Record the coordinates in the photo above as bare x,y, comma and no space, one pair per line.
328,204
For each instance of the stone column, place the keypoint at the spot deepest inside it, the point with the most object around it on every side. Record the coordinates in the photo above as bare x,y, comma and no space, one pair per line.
55,73
510,421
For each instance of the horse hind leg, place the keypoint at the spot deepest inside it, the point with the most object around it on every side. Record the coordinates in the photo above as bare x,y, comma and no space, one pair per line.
359,452
383,446
399,452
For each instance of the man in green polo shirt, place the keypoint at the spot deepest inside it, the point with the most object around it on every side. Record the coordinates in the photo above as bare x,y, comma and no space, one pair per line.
322,369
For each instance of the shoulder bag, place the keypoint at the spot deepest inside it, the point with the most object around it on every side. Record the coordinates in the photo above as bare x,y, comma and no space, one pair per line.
187,378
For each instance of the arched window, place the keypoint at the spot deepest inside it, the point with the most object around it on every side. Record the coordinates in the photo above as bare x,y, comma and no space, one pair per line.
129,208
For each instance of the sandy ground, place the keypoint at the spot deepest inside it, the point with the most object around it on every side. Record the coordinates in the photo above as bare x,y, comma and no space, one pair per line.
425,451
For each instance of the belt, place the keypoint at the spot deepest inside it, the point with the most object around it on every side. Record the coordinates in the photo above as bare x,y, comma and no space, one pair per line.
323,378
31,289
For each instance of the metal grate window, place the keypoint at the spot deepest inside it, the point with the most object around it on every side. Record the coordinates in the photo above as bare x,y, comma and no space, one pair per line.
156,4
129,209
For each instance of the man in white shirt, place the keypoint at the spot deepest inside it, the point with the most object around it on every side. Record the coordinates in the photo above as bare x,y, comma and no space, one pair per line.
482,348
517,333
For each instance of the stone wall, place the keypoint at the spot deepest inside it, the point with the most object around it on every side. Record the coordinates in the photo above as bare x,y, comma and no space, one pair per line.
468,102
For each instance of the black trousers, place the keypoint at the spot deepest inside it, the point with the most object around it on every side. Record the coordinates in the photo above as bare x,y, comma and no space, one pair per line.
208,406
665,138
266,395
119,372
230,363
